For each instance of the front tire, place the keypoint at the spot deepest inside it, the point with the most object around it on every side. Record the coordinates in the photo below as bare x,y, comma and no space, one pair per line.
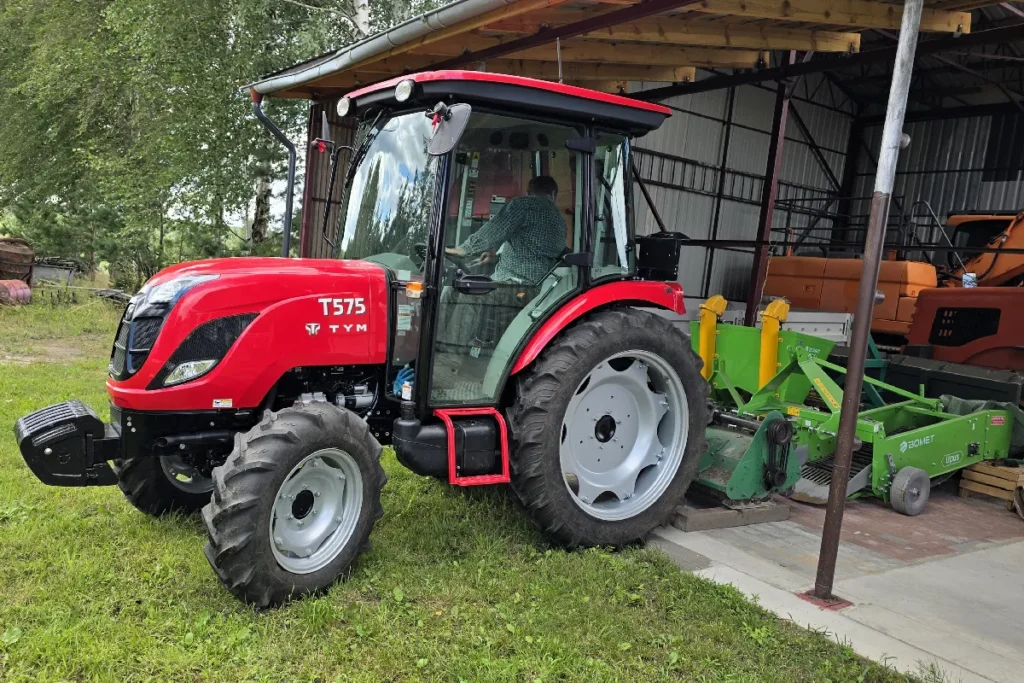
294,504
158,485
590,468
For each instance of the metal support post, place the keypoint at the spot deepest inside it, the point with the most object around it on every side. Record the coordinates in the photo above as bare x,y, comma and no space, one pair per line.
769,191
709,262
892,134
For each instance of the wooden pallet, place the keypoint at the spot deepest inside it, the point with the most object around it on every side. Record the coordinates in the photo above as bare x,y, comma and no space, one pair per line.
1004,483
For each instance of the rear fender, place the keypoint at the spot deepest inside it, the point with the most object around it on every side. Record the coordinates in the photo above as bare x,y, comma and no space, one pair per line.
666,295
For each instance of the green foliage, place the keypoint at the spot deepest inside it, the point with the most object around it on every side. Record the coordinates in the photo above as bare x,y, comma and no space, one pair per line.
126,137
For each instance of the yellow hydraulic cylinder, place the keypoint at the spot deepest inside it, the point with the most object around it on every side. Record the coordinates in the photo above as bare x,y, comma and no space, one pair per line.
771,321
710,311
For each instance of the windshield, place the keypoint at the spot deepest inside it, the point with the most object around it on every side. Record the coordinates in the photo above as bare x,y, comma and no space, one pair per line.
386,208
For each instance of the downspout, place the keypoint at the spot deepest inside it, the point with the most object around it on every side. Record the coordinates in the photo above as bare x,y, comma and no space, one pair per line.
257,108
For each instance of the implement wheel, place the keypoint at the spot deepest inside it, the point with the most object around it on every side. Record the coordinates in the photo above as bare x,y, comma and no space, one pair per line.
294,504
157,485
609,427
909,491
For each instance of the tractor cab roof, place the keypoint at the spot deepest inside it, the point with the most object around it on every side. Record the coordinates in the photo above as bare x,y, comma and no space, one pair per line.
521,95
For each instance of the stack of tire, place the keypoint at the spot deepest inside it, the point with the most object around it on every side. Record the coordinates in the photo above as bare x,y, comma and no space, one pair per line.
16,257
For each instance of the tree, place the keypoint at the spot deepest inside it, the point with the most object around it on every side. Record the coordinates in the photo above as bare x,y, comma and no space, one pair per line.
125,135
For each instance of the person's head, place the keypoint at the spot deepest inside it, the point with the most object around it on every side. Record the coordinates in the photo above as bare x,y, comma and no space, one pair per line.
543,186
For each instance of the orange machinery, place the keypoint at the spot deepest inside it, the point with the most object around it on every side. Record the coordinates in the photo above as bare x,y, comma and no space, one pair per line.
830,284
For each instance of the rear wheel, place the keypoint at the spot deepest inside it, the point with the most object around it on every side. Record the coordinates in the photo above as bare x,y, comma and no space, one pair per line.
294,504
157,485
609,427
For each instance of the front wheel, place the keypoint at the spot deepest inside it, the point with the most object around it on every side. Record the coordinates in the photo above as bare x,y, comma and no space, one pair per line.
157,485
609,428
294,504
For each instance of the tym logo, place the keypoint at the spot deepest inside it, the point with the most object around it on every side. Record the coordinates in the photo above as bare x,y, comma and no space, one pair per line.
914,443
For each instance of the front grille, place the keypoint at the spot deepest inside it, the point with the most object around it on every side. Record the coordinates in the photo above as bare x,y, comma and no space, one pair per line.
134,340
119,355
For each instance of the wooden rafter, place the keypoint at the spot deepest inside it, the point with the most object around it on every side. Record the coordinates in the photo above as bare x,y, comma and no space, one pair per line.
504,12
637,53
579,50
591,72
858,13
680,32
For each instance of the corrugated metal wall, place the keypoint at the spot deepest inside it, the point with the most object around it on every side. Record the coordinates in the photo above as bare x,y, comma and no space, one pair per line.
682,160
969,164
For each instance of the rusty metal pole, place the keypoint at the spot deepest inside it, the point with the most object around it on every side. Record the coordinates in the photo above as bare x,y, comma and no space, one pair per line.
892,134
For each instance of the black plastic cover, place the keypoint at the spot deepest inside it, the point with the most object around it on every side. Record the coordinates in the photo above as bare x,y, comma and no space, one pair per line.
658,255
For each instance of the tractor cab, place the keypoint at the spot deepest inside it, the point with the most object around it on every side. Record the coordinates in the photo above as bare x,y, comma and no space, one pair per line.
491,200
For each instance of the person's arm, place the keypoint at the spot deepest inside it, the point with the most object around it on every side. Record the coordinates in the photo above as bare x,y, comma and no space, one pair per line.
496,232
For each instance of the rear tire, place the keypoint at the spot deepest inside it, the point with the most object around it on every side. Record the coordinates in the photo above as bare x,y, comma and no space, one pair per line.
550,416
251,547
147,485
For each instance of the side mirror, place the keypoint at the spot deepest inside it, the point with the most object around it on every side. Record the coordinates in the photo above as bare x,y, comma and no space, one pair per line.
449,125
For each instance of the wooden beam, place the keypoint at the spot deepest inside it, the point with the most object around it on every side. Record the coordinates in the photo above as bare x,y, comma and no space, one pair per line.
693,33
655,55
573,71
577,50
857,13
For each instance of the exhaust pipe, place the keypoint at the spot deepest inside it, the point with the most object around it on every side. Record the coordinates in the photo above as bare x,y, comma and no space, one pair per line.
257,109
184,441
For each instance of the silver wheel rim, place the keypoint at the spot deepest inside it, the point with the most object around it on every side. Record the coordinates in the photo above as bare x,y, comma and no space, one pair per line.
623,435
183,476
316,511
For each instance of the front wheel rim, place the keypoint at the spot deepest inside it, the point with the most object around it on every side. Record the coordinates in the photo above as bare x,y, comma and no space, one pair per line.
316,511
623,435
184,476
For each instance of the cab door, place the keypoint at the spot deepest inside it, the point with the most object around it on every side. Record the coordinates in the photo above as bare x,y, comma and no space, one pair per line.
515,207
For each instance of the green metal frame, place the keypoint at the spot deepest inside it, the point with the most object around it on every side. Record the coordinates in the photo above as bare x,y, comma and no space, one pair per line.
913,432
735,463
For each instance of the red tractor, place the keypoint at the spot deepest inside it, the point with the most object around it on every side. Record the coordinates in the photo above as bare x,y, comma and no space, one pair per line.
259,390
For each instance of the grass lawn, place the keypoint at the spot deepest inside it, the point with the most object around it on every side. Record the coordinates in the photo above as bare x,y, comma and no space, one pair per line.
458,585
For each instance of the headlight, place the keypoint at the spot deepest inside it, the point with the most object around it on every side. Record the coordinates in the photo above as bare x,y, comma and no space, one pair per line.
189,370
169,292
403,91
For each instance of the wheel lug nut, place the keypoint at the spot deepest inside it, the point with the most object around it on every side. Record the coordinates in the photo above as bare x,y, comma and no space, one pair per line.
291,517
585,500
338,520
277,540
300,522
316,493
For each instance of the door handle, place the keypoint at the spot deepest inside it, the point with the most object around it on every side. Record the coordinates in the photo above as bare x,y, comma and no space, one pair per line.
469,283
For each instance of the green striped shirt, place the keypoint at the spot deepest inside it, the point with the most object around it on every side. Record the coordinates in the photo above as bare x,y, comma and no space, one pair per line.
533,232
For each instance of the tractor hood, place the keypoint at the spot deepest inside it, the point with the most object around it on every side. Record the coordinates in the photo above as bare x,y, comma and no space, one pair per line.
265,316
253,283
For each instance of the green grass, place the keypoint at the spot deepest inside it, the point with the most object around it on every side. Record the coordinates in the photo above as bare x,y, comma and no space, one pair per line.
458,586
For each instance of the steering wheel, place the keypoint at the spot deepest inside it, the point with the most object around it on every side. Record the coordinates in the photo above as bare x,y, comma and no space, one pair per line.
458,261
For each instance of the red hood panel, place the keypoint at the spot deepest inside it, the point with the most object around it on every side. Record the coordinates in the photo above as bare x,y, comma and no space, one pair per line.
311,312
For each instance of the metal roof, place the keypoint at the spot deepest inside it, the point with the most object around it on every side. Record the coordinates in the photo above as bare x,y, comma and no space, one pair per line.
603,45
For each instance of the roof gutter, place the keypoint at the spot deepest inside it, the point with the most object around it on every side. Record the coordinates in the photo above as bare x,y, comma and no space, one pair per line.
407,31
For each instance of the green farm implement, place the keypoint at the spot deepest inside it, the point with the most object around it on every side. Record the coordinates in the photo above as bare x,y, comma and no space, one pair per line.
776,404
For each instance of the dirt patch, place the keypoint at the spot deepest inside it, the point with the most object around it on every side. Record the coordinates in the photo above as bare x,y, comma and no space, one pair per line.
57,350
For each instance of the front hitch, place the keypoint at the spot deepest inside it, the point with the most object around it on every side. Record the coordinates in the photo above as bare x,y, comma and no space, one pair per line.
68,445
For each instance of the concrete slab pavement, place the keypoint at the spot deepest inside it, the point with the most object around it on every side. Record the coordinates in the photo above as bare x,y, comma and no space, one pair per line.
942,589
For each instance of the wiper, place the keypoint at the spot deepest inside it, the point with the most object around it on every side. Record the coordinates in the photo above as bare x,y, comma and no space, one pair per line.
363,148
357,155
